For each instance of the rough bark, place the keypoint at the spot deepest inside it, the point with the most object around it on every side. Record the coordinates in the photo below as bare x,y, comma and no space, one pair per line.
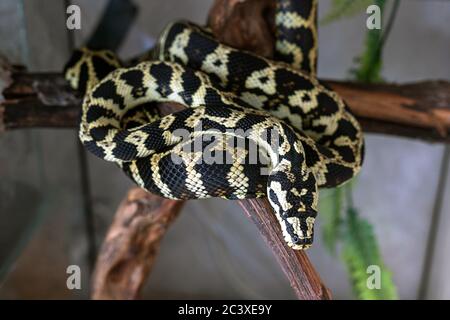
301,274
418,110
244,24
132,244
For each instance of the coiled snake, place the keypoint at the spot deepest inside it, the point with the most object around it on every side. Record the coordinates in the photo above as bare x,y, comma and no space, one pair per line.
237,103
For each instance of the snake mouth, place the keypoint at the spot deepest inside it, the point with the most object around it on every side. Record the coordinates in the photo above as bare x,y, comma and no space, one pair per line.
300,246
299,243
299,231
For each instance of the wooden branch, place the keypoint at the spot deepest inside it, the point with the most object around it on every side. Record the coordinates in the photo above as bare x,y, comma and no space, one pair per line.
39,100
249,25
131,245
418,110
302,276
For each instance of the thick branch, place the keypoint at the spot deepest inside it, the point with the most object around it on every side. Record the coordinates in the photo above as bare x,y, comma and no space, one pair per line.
132,244
419,110
302,276
416,110
247,24
39,100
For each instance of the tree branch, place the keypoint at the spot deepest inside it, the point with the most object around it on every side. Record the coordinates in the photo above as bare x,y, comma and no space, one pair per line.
132,244
301,274
417,110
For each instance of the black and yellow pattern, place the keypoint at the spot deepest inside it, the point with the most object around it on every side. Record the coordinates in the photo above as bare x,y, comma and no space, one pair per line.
231,92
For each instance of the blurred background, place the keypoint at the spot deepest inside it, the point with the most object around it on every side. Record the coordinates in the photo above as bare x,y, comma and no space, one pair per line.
213,250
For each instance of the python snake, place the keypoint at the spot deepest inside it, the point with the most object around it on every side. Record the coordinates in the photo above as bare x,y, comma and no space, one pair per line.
237,102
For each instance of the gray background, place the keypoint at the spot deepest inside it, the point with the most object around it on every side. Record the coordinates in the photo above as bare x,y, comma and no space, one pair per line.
212,250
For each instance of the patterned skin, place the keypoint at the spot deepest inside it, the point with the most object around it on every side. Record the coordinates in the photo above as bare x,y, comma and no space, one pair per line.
230,95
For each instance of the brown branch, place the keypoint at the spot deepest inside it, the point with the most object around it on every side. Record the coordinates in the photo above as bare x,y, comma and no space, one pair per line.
131,245
302,276
39,100
418,110
249,25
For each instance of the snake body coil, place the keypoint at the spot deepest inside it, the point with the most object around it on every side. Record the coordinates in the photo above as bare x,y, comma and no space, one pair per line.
236,101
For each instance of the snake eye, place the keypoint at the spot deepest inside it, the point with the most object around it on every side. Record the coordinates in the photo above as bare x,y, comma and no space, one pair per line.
295,239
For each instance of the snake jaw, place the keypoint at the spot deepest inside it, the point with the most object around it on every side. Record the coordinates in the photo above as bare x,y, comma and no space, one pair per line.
293,193
296,212
299,233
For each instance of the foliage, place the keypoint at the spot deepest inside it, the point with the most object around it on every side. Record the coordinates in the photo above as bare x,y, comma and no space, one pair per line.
360,250
331,215
345,8
341,220
370,61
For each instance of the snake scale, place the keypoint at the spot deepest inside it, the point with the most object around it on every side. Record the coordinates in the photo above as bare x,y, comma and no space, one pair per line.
237,102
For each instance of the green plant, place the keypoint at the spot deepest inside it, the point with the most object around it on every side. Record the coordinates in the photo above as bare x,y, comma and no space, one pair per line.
342,222
360,250
344,8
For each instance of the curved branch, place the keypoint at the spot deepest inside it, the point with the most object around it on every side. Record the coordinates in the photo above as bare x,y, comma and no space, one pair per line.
132,244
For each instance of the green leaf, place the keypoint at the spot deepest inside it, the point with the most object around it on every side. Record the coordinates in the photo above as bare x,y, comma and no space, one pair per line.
360,251
344,8
360,248
370,61
330,209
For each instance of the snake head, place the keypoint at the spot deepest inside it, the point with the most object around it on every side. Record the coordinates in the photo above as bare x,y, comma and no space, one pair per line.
295,205
296,219
299,231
